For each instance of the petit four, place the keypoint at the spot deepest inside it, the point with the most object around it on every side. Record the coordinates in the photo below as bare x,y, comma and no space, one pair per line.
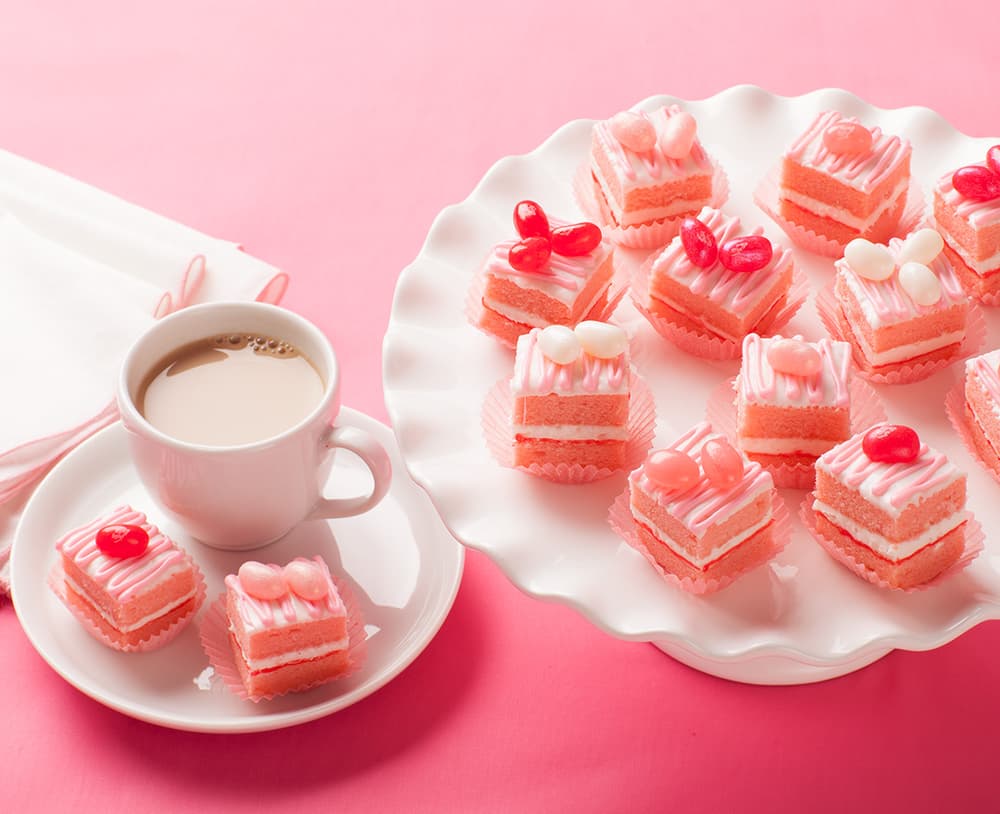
841,180
982,406
892,504
571,390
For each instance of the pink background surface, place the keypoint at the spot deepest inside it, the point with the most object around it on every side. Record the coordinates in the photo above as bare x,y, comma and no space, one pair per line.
326,137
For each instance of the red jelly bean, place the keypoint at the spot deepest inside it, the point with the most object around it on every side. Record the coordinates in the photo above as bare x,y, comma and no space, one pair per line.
530,220
891,444
977,183
993,158
530,254
699,243
122,540
576,239
747,253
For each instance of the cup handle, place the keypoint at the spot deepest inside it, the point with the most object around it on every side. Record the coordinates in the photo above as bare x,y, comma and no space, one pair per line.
375,457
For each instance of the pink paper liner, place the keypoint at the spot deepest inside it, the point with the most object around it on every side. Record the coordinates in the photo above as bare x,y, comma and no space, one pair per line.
720,411
648,236
623,524
829,311
954,407
496,423
214,633
617,289
56,582
766,197
974,540
698,342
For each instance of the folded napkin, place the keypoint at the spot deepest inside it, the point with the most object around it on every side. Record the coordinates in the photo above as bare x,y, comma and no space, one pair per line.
82,274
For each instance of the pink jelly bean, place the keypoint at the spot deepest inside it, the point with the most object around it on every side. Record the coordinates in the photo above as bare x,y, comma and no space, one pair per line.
723,465
699,243
633,132
993,158
793,357
891,444
847,138
678,136
977,183
261,581
306,579
746,254
672,470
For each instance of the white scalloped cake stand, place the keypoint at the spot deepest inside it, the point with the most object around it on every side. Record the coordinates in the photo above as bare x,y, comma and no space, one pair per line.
802,618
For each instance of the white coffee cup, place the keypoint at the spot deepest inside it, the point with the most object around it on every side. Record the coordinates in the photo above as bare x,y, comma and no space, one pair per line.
245,496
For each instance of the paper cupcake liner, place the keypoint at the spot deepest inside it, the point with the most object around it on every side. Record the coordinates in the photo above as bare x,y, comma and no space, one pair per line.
617,288
496,423
720,411
215,642
623,524
974,540
832,316
695,340
56,581
766,197
961,421
648,236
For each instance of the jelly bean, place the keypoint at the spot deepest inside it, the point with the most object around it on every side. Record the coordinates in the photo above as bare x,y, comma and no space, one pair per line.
678,135
921,247
873,261
723,465
977,183
559,344
671,470
122,540
261,581
891,444
993,158
601,339
633,131
793,357
530,254
699,243
847,138
530,220
920,283
306,579
746,254
576,239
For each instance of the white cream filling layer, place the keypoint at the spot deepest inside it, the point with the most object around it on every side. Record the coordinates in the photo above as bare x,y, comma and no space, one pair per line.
638,216
841,215
530,318
903,352
145,620
291,656
894,552
786,446
572,432
714,554
981,267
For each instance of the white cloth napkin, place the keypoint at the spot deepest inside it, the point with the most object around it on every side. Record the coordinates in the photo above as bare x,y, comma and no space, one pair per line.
82,274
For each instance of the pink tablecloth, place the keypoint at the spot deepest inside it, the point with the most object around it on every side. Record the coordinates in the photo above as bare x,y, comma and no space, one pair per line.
326,137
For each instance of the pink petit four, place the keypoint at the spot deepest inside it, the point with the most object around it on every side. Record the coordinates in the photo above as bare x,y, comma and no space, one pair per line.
892,504
841,180
571,391
287,626
982,406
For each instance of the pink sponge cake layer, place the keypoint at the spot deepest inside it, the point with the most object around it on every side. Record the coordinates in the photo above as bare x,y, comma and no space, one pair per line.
289,643
725,303
982,405
887,326
840,196
646,187
904,521
129,599
575,413
971,230
703,531
785,418
565,291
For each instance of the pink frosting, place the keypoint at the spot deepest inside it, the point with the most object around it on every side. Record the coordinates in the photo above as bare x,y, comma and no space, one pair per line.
289,608
123,578
978,214
760,382
871,167
988,375
656,164
535,373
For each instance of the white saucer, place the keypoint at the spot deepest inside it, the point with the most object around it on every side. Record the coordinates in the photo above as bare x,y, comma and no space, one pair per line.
402,565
